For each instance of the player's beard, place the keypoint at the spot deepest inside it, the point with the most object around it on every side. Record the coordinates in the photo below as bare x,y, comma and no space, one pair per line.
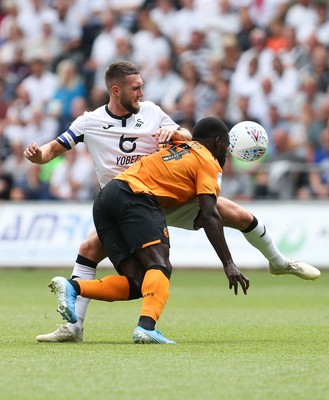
129,105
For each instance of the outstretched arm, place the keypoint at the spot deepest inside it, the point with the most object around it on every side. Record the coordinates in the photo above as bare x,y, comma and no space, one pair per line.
213,226
44,153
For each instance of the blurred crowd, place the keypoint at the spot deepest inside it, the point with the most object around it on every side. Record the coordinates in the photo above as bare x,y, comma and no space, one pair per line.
260,60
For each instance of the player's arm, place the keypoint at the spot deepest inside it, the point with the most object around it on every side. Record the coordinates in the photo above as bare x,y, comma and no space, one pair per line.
182,134
163,135
44,153
213,226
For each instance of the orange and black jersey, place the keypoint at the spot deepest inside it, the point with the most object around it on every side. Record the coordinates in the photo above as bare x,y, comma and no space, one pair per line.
175,174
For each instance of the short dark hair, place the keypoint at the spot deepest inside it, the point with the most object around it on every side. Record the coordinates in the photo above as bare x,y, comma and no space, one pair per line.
210,127
117,72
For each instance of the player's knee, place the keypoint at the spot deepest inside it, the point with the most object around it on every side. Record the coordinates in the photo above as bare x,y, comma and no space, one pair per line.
244,218
233,215
92,249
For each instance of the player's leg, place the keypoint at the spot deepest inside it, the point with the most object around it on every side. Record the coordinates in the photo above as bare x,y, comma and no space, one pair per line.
155,292
113,287
256,233
110,288
135,225
91,252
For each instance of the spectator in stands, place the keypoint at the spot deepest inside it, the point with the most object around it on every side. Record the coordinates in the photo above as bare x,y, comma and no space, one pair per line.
44,45
263,13
185,113
317,31
73,178
301,16
236,185
318,183
185,21
70,86
14,42
247,97
246,82
6,182
203,93
247,26
31,17
244,112
301,110
103,49
219,109
148,45
220,25
258,49
295,54
230,57
319,67
126,12
5,149
4,98
163,15
275,121
17,166
78,106
282,173
277,40
18,114
164,86
16,71
317,125
40,85
198,52
67,28
9,19
285,82
42,125
123,48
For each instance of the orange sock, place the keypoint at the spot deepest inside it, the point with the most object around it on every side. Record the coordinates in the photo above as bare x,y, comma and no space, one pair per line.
109,288
155,291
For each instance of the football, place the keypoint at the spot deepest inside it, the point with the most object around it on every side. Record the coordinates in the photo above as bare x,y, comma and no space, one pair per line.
248,141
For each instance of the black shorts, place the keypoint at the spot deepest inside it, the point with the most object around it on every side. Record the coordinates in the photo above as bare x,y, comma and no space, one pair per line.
127,222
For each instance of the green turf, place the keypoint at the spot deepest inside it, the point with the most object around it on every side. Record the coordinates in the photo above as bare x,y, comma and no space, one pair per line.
271,344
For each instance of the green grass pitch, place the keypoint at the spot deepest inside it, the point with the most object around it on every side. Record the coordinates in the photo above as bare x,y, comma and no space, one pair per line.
271,344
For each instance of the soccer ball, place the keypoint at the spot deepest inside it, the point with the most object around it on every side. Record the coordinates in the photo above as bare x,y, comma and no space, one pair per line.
248,141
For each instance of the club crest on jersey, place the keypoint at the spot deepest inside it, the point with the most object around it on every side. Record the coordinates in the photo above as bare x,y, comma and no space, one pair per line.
127,145
139,123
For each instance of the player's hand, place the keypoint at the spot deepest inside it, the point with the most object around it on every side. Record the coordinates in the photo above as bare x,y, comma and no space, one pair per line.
163,135
33,152
235,277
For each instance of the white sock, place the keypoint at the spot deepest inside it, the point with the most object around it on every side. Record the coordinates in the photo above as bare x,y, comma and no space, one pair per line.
260,238
85,273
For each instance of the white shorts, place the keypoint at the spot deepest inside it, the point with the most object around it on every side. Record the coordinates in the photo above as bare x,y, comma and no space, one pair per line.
183,216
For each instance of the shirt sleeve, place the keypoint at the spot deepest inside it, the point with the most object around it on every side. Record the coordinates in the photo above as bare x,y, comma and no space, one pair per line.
208,179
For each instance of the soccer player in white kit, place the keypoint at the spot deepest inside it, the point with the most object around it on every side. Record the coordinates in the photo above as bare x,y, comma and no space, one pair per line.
117,135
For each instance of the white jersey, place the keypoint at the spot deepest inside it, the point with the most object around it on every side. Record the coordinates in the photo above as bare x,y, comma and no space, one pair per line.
114,143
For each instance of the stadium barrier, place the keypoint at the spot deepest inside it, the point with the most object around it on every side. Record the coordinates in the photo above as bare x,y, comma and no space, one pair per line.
48,234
